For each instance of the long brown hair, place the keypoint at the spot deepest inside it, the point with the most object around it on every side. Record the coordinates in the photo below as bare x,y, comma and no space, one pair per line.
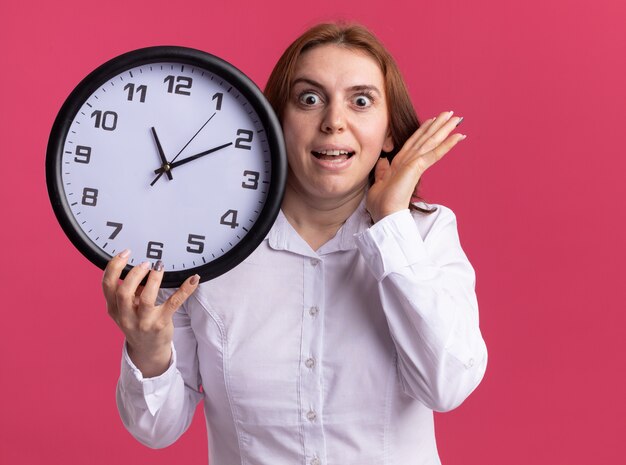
402,118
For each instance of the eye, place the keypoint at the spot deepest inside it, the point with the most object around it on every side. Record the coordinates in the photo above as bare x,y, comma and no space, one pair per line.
363,100
308,98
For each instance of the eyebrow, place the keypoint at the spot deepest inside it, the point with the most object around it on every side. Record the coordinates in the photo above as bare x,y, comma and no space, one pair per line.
358,88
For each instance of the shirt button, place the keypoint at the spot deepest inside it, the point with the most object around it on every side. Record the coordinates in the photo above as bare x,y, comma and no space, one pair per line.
310,362
470,363
313,311
315,461
314,261
311,415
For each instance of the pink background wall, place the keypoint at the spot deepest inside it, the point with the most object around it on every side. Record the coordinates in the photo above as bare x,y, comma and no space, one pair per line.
538,187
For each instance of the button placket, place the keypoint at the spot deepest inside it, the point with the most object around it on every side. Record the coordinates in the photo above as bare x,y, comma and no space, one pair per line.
310,350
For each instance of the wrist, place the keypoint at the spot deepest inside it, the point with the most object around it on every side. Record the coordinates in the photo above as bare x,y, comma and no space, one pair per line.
379,215
151,362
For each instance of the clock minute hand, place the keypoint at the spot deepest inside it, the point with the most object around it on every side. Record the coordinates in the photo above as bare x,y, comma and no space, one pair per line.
166,165
181,150
173,165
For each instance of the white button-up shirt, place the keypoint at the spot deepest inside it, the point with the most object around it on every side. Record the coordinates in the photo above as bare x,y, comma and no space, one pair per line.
335,356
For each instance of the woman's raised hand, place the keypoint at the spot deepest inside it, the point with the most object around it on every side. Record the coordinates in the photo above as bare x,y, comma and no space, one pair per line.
148,328
395,183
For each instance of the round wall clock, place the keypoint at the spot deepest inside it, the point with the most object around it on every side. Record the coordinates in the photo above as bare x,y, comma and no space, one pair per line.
172,153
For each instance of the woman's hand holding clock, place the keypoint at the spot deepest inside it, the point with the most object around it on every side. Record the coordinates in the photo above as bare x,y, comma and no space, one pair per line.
148,328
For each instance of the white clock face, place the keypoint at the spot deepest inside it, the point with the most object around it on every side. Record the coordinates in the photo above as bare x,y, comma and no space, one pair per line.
186,206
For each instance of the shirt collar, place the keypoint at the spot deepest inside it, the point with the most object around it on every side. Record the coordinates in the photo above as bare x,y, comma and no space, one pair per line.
283,236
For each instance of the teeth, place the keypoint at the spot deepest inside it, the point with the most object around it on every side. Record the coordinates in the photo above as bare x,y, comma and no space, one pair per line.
334,152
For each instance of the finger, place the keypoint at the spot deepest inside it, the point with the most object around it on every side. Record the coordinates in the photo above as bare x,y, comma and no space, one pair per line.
437,131
423,128
412,140
126,290
428,159
182,293
111,276
382,165
138,291
148,296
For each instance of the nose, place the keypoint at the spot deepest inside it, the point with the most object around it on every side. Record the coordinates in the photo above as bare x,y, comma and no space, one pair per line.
334,119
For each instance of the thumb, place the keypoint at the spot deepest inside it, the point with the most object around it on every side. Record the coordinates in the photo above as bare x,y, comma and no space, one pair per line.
415,196
382,165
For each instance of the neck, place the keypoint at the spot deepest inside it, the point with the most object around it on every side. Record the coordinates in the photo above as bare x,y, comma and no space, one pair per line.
318,220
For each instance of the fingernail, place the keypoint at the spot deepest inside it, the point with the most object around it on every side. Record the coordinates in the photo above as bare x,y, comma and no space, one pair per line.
124,253
158,266
460,121
450,113
146,265
464,136
194,280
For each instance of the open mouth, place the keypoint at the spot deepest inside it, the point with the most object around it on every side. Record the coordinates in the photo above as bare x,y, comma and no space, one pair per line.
331,155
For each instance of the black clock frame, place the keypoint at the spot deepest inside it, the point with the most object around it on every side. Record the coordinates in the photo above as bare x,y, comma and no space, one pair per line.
182,55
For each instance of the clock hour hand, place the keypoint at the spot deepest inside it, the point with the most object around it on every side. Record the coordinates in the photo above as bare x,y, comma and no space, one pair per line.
166,166
174,164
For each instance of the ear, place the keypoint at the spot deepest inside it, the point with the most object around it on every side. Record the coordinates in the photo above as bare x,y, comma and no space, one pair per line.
388,143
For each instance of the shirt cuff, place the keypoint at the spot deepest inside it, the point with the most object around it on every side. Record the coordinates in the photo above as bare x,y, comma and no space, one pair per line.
153,391
392,243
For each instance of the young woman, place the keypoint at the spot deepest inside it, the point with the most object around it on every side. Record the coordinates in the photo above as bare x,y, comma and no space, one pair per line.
356,318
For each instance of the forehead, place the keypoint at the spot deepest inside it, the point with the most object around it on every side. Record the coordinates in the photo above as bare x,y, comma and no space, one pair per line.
337,65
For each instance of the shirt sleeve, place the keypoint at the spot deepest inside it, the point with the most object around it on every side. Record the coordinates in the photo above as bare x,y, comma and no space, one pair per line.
426,286
157,411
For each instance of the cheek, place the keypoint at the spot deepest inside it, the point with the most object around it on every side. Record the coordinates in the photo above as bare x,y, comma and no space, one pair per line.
375,136
296,132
